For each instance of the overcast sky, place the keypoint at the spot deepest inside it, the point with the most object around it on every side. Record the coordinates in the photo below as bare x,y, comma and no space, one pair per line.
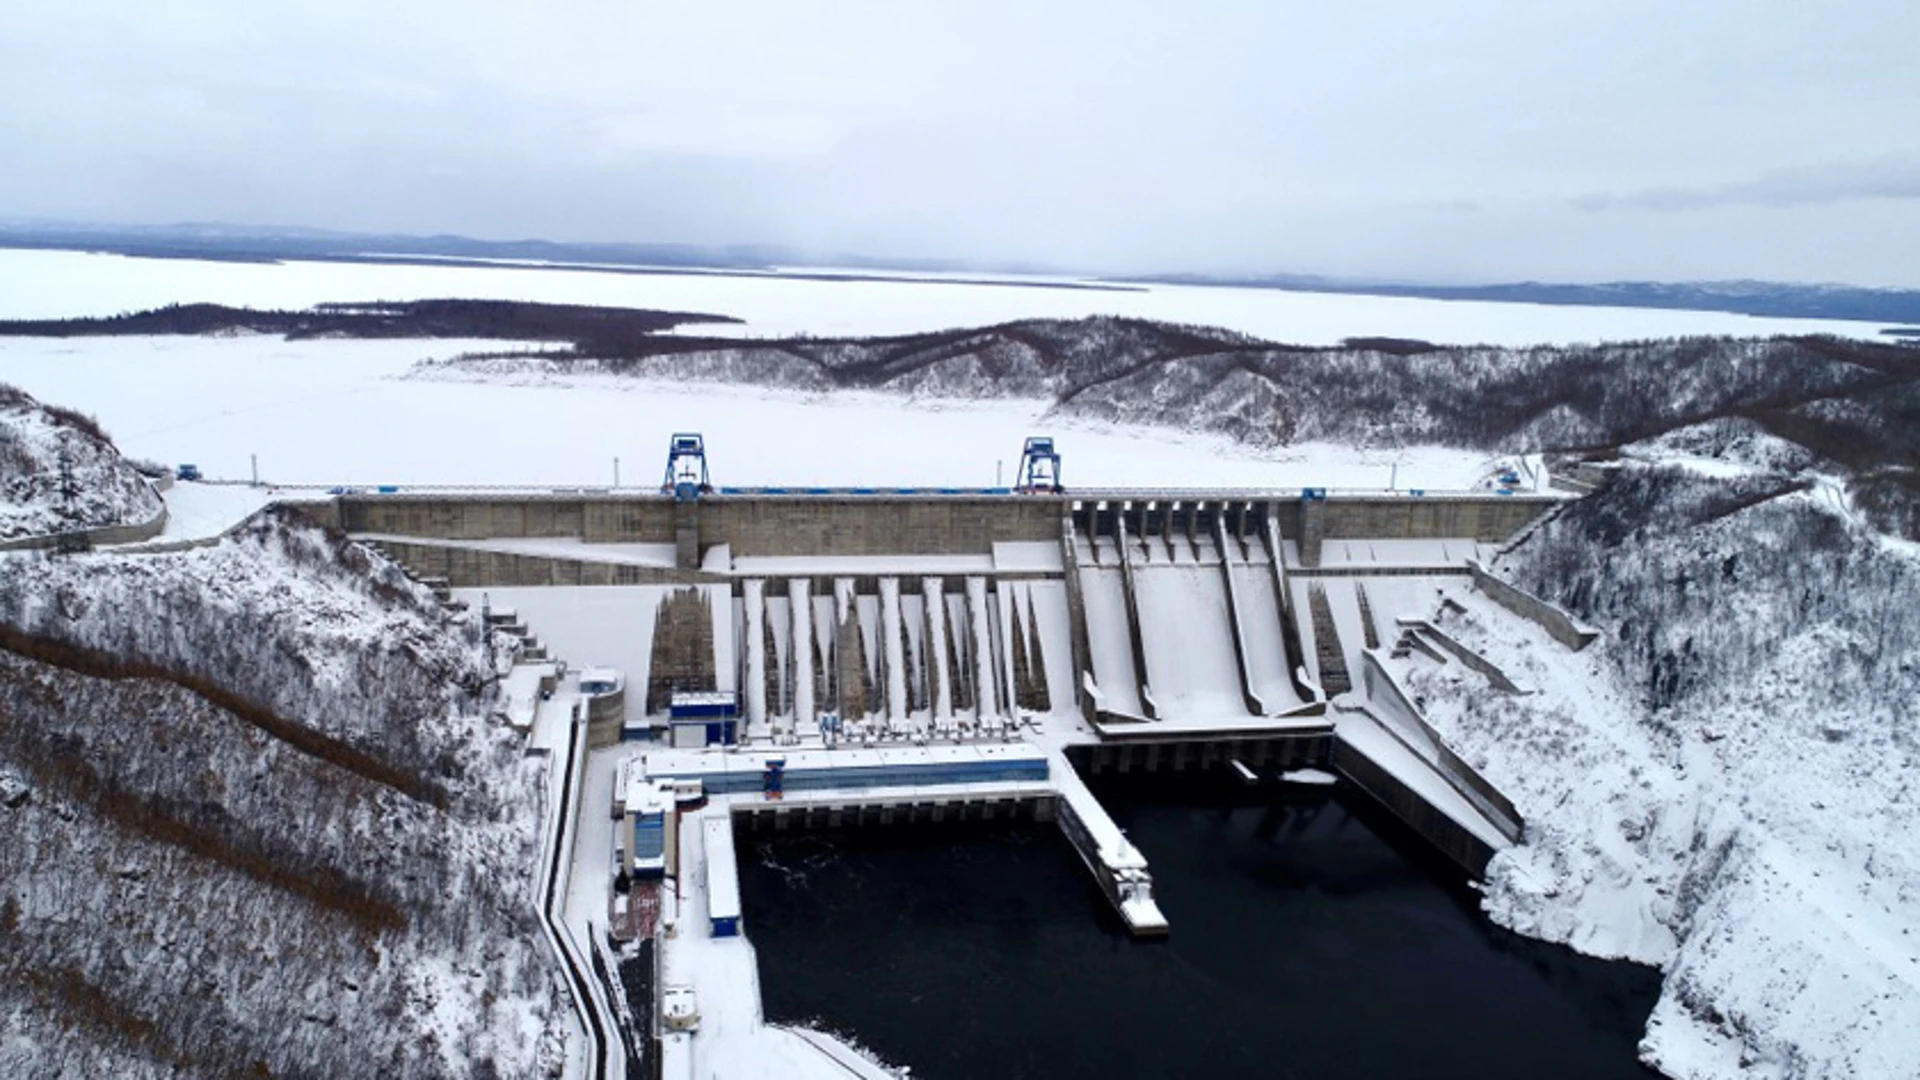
1413,139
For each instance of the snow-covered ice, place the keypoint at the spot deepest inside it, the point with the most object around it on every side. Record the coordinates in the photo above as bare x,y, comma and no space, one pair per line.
57,284
338,412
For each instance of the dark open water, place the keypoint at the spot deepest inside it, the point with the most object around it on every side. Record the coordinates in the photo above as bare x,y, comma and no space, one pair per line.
1311,939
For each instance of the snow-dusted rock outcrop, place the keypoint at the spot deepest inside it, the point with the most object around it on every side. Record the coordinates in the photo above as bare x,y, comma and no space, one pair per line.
257,820
59,472
1724,785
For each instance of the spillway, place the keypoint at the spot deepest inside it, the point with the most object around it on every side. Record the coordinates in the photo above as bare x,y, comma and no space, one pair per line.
1190,653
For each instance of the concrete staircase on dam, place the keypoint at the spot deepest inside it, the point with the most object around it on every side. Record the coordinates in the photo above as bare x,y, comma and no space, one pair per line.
1332,666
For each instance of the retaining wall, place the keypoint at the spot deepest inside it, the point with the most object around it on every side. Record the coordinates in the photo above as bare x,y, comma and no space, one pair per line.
1396,711
83,539
1236,623
1558,624
1451,838
1131,605
1175,754
636,519
472,568
1459,650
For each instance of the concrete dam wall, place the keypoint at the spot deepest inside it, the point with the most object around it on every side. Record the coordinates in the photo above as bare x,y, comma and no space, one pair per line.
1160,607
928,523
1175,628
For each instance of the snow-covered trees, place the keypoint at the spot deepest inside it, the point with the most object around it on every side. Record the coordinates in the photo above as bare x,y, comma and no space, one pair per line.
1853,404
266,825
59,472
1723,785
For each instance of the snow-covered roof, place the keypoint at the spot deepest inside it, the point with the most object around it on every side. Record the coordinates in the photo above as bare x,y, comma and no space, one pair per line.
649,798
600,680
704,697
723,876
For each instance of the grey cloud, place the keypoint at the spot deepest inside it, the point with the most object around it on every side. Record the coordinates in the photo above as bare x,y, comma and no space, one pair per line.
1384,138
1892,178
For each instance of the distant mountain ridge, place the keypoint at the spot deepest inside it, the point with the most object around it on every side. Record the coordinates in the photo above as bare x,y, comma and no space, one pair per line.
242,243
237,243
1741,297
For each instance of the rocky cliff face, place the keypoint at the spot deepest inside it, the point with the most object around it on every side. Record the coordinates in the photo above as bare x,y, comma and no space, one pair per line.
257,822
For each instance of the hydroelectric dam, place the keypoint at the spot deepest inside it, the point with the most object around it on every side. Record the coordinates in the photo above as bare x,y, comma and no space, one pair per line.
790,658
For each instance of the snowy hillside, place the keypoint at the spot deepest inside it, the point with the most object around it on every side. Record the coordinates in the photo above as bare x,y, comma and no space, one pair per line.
59,471
1853,405
256,820
1264,394
1723,785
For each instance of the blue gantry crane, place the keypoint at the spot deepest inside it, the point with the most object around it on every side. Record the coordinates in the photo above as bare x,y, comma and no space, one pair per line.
686,477
1039,468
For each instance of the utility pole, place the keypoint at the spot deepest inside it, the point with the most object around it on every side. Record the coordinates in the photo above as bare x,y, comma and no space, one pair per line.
616,472
255,460
997,464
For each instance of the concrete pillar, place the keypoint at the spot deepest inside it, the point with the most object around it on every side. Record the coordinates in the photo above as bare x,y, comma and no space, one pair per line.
1234,620
800,656
1313,527
933,592
983,679
686,534
753,598
1283,593
1134,636
1077,621
1009,623
852,682
894,650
